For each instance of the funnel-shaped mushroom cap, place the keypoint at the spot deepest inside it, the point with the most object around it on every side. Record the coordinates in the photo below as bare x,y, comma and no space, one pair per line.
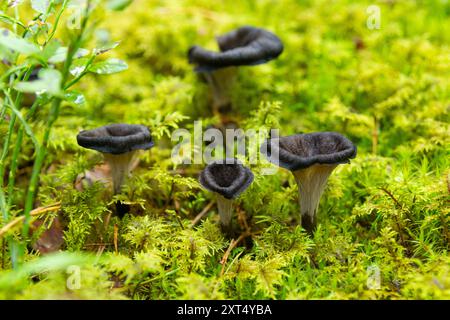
116,138
228,179
303,150
244,46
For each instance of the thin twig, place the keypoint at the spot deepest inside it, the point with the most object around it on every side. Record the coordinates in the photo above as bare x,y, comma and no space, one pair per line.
203,212
444,227
399,205
232,245
116,236
176,205
33,213
98,244
242,218
169,197
100,250
375,135
101,247
232,262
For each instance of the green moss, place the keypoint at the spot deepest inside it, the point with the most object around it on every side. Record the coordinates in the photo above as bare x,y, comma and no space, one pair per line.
386,212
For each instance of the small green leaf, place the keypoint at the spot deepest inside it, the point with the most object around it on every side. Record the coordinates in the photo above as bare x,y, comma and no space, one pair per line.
118,5
78,66
109,66
40,6
61,54
49,81
6,54
106,48
11,41
74,97
50,50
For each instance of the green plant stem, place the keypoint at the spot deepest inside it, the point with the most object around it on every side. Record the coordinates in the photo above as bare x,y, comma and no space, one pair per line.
14,247
54,112
15,157
13,168
2,113
82,74
16,152
58,17
39,161
12,20
5,151
6,144
10,131
4,206
11,71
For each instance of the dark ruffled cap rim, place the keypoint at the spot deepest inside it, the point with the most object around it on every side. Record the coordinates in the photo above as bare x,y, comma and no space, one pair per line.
116,138
301,151
244,46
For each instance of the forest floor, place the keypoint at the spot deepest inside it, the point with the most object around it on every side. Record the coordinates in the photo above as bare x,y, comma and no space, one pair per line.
383,220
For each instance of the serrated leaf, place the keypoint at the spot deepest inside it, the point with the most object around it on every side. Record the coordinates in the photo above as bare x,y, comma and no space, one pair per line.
109,66
49,81
11,41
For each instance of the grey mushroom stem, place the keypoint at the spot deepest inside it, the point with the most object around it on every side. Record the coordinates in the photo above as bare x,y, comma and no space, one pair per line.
225,207
120,165
221,82
311,183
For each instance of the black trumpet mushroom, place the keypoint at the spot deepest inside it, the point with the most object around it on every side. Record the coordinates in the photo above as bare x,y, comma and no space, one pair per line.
311,158
244,46
118,143
227,179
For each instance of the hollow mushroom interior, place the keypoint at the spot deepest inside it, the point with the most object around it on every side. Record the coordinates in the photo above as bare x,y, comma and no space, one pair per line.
309,145
227,180
225,174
